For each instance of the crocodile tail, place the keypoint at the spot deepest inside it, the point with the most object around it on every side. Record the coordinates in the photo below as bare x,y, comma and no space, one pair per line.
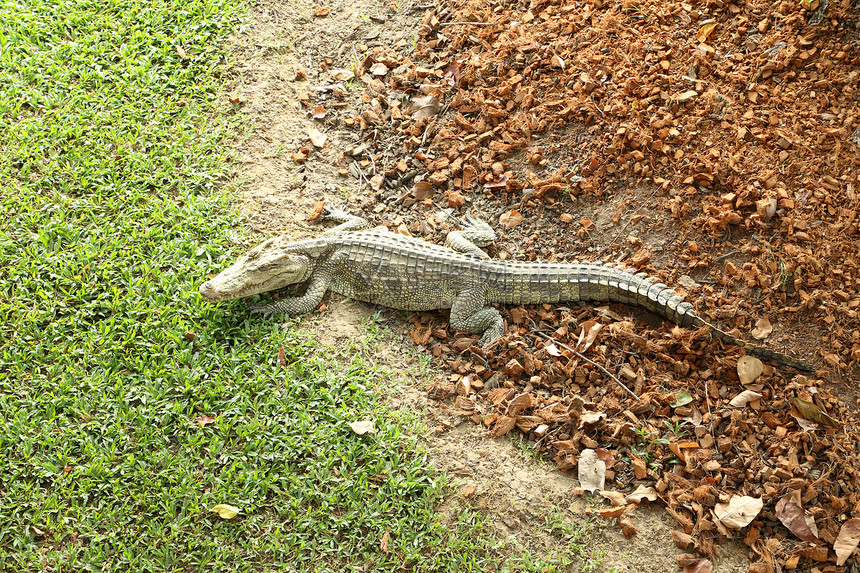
628,285
755,350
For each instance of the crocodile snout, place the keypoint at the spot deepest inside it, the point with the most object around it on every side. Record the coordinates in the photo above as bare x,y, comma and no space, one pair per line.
207,290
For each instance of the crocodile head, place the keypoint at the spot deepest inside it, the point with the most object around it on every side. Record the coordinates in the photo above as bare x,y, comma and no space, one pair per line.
266,267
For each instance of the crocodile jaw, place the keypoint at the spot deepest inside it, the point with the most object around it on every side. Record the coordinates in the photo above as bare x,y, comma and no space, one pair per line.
229,287
263,269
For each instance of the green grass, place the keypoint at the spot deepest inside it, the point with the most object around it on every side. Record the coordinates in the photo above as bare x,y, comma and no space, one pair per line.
112,165
567,547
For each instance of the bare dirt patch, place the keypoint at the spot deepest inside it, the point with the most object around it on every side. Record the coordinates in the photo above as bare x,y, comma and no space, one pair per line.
287,59
710,146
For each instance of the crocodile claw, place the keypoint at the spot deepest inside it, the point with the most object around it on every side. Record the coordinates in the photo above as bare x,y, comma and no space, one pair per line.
265,309
334,213
471,222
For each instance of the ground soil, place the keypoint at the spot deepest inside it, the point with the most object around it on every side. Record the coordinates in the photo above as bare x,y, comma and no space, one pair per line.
698,167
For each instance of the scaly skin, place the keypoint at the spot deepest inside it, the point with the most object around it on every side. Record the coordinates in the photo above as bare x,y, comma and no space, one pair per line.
409,274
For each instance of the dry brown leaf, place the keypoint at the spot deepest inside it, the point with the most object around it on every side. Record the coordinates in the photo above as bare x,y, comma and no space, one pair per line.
643,492
744,398
426,106
204,420
590,167
749,368
519,403
687,95
317,211
590,330
452,74
616,498
513,368
503,426
687,559
640,258
321,11
319,112
592,471
422,190
363,427
182,53
317,137
376,182
766,209
792,515
378,69
705,32
383,543
612,512
675,449
591,417
499,181
811,412
627,527
455,198
606,456
683,540
498,395
739,512
402,229
762,329
701,566
510,219
846,542
640,468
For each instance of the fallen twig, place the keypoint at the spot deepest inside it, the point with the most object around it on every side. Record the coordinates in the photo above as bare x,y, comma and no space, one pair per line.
590,361
467,24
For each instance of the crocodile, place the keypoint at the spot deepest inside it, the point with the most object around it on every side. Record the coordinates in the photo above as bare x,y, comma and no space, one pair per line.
405,273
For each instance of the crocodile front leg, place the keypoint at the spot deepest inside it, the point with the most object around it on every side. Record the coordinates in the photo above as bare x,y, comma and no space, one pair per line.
347,222
297,304
468,314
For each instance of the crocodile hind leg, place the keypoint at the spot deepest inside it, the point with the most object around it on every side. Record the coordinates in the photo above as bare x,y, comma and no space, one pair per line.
474,233
468,314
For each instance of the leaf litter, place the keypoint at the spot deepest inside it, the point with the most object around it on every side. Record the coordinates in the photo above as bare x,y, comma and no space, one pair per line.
735,121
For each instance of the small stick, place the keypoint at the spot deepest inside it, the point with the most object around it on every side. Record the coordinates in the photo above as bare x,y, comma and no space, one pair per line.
467,24
729,254
592,362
